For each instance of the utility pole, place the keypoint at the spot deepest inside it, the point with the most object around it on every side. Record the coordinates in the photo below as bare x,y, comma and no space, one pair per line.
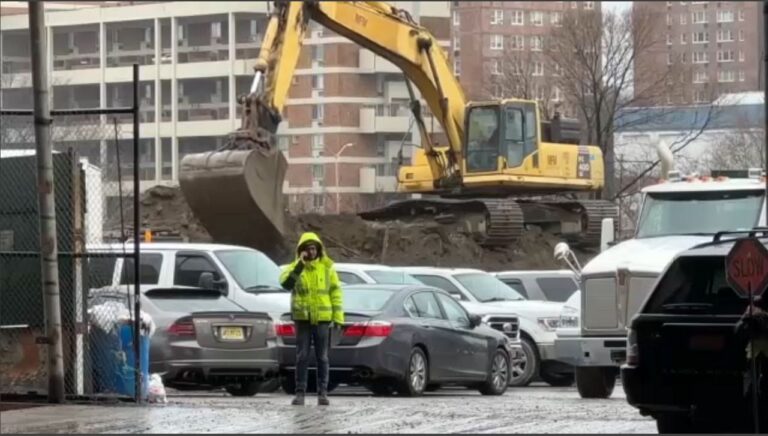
46,204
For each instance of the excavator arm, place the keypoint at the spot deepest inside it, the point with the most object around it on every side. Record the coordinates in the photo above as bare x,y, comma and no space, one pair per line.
238,188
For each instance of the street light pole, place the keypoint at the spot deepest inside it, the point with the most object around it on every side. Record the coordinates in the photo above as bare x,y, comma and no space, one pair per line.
336,170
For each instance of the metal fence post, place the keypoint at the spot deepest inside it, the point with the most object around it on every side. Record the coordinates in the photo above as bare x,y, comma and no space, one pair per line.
136,233
47,211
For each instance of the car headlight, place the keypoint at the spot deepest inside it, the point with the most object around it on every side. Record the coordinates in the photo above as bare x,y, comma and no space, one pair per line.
549,324
569,318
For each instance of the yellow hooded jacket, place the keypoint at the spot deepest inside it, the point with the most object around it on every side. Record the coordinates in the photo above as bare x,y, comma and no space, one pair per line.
315,288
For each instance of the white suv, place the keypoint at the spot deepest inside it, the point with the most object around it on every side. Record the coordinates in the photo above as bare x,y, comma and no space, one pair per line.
484,294
357,273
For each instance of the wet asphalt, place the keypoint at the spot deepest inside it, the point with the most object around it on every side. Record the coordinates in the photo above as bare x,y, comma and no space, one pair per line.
534,409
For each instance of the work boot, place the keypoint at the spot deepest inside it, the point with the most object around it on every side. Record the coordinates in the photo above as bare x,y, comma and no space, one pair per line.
322,399
298,400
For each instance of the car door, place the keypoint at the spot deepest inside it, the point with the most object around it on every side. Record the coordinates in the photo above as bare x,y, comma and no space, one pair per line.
472,362
350,278
436,331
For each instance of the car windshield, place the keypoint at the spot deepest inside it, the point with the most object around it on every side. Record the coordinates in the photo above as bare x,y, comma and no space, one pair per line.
252,270
487,288
696,285
698,213
392,277
366,299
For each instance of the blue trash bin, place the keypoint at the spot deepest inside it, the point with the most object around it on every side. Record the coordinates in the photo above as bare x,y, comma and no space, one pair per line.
113,361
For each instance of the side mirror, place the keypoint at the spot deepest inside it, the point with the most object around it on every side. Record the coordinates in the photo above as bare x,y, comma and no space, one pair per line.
206,281
474,320
607,234
562,249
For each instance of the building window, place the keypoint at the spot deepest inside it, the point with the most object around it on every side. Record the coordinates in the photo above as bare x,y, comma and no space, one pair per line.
669,39
700,57
724,35
538,69
496,91
699,96
318,112
741,35
725,56
741,14
283,142
557,70
669,4
457,67
741,76
498,17
699,17
318,172
741,56
456,20
726,76
536,43
669,58
495,67
318,81
574,5
556,18
683,19
700,37
589,5
497,42
317,145
456,42
318,201
724,16
557,94
669,19
700,77
683,38
518,42
518,18
537,18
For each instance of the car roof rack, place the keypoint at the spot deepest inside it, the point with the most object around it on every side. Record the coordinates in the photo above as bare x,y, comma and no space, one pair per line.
750,233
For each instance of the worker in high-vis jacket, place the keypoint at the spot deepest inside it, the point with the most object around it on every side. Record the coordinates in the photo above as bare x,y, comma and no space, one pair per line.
316,307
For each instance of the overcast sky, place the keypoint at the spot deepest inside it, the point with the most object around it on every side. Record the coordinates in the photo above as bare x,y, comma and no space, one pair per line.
616,6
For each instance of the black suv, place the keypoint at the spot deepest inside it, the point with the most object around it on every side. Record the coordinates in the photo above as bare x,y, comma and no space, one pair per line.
686,365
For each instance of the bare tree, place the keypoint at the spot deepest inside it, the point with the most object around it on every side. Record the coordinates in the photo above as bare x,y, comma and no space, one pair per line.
597,54
736,150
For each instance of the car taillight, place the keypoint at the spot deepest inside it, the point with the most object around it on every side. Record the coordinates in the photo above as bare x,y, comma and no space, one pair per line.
182,327
633,351
369,329
285,328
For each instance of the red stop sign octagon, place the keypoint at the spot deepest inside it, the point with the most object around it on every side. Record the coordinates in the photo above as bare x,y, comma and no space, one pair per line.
746,267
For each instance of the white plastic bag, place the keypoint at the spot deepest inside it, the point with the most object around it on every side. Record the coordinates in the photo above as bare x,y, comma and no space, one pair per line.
157,390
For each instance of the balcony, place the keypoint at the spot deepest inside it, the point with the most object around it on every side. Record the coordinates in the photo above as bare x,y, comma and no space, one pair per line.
371,63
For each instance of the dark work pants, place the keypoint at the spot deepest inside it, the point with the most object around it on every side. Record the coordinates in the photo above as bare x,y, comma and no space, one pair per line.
306,336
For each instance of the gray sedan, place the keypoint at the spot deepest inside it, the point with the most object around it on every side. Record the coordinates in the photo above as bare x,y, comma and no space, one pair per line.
202,338
406,338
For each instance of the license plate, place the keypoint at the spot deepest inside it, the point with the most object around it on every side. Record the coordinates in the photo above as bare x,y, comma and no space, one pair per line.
232,333
707,342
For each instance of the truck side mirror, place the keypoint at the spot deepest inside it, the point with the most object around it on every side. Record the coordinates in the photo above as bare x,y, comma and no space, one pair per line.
206,281
607,234
561,251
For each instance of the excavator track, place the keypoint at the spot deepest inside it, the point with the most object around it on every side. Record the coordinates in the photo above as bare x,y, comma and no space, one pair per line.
505,222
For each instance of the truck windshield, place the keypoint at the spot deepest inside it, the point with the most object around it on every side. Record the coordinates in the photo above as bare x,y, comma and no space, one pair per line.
681,213
696,285
487,288
252,270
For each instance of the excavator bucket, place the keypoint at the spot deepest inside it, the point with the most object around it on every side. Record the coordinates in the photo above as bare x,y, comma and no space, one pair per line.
238,195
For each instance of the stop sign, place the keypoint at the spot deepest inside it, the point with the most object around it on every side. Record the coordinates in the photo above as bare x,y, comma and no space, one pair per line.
746,267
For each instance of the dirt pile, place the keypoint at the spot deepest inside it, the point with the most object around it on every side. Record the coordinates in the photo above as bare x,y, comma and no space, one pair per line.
349,238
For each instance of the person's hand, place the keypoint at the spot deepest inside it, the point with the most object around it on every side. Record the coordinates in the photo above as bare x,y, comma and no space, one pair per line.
337,326
304,255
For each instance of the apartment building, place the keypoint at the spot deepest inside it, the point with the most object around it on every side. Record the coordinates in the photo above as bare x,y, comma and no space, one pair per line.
347,108
497,47
719,44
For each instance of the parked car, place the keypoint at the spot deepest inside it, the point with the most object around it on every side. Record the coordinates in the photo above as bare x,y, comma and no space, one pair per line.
245,276
569,330
482,293
686,366
358,273
542,285
405,338
202,339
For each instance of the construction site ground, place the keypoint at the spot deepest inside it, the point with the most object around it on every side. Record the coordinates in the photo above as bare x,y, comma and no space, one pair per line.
349,238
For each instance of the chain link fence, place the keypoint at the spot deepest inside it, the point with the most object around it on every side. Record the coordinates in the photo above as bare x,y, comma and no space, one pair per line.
93,163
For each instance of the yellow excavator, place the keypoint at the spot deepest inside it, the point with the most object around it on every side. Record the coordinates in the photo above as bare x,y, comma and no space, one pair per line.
501,169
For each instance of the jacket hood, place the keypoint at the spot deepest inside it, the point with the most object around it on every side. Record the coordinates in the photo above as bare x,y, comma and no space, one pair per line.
312,237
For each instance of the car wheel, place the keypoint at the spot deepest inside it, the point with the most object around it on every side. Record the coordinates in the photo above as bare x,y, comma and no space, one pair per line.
247,389
557,379
498,379
674,423
416,374
595,381
523,370
270,385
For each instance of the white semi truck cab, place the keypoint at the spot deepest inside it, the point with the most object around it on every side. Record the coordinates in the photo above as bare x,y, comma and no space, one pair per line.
675,215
